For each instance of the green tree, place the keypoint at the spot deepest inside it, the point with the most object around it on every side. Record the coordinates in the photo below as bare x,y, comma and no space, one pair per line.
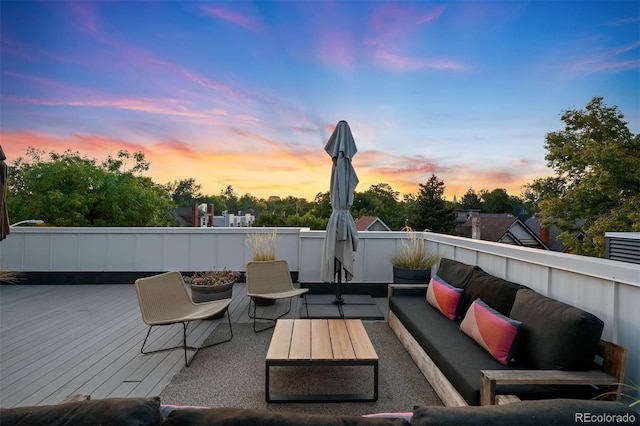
322,205
431,211
471,200
70,190
498,201
597,164
379,200
230,198
184,192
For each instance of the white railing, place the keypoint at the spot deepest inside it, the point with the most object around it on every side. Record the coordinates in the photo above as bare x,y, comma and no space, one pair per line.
608,289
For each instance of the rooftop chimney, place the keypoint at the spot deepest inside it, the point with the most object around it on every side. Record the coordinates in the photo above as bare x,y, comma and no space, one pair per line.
475,227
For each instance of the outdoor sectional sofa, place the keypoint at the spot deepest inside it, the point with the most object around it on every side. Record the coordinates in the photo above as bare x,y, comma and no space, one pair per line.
149,412
556,345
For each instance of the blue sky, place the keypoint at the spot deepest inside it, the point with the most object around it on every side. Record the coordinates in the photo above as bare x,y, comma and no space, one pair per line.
247,93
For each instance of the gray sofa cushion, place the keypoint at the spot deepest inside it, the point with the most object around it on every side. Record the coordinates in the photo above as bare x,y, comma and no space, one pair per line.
455,273
528,413
555,335
495,292
105,412
457,356
238,416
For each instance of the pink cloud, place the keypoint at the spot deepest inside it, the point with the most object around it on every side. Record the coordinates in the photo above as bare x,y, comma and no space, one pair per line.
235,18
391,60
15,48
86,16
395,19
336,49
606,60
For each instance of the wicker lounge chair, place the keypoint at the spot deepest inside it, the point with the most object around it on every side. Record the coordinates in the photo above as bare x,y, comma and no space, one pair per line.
164,300
270,280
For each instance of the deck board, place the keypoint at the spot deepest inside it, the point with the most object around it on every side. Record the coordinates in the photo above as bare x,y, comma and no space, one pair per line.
67,339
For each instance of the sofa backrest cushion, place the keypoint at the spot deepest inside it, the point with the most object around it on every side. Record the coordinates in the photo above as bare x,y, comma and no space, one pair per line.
105,412
444,297
495,292
455,273
556,335
543,412
239,416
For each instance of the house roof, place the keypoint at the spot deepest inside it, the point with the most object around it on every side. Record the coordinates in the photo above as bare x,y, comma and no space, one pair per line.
503,228
371,223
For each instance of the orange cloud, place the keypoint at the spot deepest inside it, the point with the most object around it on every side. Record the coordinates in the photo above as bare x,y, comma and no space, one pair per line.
264,166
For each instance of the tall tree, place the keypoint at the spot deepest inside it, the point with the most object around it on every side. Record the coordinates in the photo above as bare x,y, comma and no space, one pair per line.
70,190
379,200
597,164
184,192
498,201
471,200
431,211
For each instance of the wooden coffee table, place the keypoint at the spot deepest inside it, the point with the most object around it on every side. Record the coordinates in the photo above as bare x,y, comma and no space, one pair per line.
321,342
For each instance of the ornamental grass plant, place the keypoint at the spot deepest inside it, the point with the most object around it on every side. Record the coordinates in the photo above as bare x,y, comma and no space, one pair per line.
414,254
8,276
263,244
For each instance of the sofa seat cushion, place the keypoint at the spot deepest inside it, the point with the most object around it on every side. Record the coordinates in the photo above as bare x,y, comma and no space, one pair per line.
495,292
239,416
455,273
105,412
556,335
457,356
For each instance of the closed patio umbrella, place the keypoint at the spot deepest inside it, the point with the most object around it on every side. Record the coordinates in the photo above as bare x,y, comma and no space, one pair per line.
4,216
341,239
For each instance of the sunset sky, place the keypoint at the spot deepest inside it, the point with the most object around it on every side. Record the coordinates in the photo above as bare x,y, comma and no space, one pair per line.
247,93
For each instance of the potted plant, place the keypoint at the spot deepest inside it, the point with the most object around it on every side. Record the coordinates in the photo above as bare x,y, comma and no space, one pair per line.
263,248
211,285
8,276
412,264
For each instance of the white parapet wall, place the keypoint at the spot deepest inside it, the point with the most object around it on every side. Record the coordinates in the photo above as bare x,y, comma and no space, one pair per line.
609,289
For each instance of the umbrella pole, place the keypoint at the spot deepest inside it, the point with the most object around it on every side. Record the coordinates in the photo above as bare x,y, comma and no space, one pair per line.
338,268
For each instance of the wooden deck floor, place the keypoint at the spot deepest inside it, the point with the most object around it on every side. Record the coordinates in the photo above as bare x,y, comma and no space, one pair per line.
61,340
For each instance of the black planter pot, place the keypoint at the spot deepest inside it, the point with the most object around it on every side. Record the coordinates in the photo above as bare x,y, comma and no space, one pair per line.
411,276
208,293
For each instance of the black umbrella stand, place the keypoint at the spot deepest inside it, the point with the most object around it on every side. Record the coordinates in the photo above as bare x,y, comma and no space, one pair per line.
338,268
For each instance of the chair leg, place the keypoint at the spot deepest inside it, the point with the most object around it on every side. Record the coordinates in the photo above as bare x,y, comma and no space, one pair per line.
184,342
255,317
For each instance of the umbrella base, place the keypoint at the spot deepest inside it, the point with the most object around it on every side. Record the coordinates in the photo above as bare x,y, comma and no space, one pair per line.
354,306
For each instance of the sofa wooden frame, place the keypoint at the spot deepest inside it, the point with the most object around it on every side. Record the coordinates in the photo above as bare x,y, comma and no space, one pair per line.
614,361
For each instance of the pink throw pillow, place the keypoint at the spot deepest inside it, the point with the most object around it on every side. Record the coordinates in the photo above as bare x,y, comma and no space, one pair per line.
496,333
444,297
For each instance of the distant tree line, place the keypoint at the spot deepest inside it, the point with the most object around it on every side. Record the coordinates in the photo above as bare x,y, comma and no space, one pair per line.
596,160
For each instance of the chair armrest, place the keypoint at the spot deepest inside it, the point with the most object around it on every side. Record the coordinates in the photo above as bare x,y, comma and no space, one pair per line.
392,287
490,378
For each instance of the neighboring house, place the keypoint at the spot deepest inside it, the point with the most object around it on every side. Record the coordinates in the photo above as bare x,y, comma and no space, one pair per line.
184,217
501,228
371,223
550,234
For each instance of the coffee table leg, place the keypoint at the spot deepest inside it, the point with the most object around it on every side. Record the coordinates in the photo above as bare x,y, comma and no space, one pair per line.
375,381
266,383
